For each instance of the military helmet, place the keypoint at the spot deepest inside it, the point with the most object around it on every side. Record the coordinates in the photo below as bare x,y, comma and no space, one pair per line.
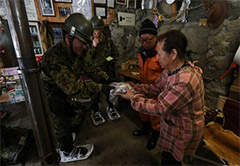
77,25
97,22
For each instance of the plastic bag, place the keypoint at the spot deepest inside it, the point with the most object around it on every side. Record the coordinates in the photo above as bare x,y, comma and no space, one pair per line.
119,87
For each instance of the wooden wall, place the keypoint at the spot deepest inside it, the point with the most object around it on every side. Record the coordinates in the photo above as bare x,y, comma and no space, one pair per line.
53,19
60,19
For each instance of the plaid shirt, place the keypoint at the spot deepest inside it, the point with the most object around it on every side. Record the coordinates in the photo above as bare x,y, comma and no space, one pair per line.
178,100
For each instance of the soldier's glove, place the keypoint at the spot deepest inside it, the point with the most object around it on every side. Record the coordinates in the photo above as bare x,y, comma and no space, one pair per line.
106,89
109,80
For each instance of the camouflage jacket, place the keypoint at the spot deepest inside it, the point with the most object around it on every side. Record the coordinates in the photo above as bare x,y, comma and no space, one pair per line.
63,73
105,55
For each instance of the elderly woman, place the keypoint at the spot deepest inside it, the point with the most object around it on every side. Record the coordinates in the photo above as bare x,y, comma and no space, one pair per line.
177,97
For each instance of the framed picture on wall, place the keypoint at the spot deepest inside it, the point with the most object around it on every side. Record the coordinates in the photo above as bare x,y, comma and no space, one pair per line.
121,2
37,44
131,4
58,34
139,4
103,2
64,11
100,11
110,3
47,7
68,1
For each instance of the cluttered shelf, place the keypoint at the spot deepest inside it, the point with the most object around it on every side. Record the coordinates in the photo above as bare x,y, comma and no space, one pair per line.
11,87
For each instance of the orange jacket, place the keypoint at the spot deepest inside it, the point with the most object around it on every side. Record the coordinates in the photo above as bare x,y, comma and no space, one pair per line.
149,70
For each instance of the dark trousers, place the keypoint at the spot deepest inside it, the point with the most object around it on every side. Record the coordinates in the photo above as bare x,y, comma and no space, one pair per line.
66,120
168,159
96,100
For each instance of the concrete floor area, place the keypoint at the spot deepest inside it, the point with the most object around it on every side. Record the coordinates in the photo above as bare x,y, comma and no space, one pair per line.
114,143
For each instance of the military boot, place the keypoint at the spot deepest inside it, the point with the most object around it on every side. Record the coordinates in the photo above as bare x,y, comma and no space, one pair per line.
144,130
153,140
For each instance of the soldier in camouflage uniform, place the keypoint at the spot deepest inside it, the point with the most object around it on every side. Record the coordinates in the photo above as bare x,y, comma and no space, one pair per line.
104,53
64,72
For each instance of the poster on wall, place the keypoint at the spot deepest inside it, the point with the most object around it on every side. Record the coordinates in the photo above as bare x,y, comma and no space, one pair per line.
110,4
149,4
126,19
30,9
82,6
3,11
68,1
121,2
100,11
37,45
100,1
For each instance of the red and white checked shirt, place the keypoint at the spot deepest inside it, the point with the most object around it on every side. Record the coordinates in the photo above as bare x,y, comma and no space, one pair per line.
179,100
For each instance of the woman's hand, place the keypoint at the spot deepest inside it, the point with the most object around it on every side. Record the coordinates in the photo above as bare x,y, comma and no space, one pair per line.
128,95
96,41
98,36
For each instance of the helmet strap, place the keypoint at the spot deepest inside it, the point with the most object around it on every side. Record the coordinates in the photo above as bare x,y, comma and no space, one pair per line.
71,38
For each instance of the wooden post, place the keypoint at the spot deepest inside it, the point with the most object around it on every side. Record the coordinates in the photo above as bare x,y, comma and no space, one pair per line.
174,9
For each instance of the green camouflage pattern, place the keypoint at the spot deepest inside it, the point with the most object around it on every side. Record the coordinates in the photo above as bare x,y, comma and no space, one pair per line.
93,70
105,49
62,73
67,80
